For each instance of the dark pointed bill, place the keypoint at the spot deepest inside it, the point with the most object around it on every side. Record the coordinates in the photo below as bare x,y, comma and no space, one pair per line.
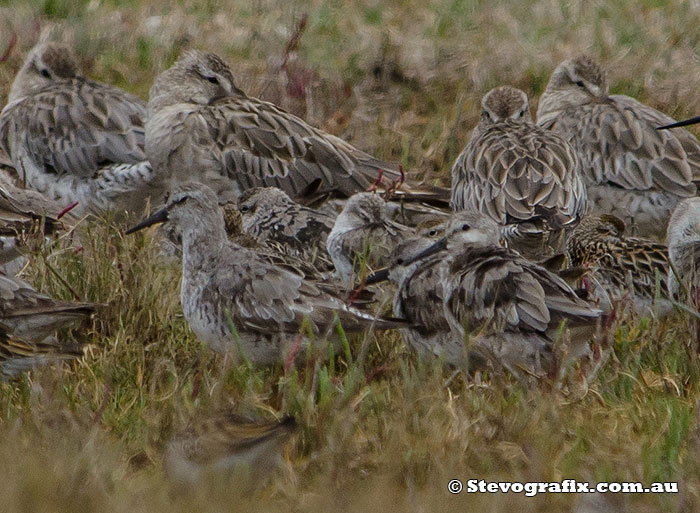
378,276
430,250
159,217
685,122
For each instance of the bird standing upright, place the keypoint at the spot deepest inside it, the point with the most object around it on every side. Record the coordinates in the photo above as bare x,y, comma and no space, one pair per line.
235,299
515,173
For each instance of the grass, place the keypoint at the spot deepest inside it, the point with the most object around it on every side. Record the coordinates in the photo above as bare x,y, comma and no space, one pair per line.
402,80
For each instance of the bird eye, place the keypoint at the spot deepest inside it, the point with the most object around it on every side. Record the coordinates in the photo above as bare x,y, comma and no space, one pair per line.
245,208
180,200
45,73
465,227
432,233
400,261
213,80
580,83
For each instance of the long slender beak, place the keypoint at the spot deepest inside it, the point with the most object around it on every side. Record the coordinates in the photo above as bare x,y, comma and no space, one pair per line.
159,217
438,246
378,276
685,122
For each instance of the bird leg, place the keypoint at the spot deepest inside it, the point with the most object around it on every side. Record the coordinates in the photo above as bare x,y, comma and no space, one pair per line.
66,210
393,187
377,182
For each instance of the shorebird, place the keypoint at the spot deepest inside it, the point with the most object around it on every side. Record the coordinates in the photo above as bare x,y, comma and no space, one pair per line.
228,445
74,139
684,249
631,170
270,215
27,218
490,300
204,128
512,170
364,232
234,299
624,266
28,321
31,315
17,355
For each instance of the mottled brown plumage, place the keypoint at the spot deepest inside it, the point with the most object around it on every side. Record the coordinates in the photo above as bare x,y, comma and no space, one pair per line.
202,127
624,265
31,315
631,170
17,355
225,284
512,170
74,139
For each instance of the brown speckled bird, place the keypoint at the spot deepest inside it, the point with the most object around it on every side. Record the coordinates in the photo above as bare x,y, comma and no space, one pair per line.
625,266
630,169
512,170
202,127
228,445
74,139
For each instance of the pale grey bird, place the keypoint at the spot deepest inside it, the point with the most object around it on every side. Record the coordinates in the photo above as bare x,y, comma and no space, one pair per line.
627,267
234,299
513,171
684,250
271,216
74,139
631,170
363,233
204,128
495,302
228,445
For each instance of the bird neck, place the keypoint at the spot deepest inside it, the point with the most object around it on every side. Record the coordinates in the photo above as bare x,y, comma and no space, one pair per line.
203,241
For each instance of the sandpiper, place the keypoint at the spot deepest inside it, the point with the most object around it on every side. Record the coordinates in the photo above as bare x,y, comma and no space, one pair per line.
364,232
491,300
236,300
512,170
204,128
229,445
631,170
684,250
74,139
270,215
626,267
17,355
27,218
31,315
